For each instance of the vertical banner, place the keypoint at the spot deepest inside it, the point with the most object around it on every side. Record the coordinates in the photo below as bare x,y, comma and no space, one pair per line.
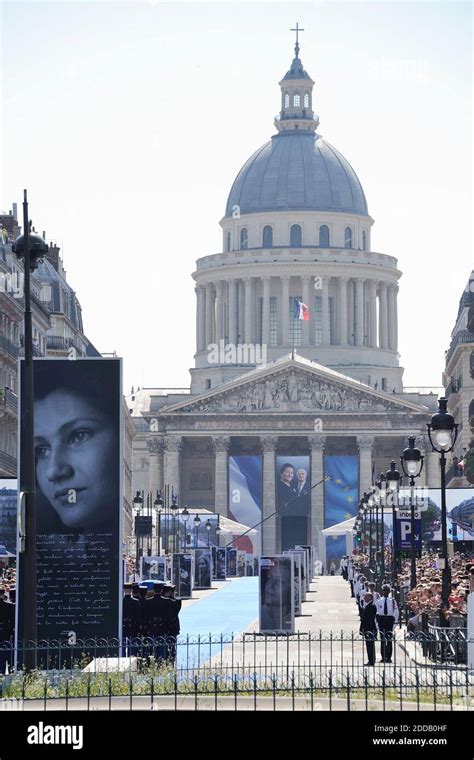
231,562
77,427
297,577
341,500
277,613
202,568
249,564
293,498
219,563
245,497
181,574
241,560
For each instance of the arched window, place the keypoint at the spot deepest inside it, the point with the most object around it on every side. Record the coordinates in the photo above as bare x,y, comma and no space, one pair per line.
268,237
306,100
348,238
295,236
287,100
296,100
227,241
244,240
324,236
364,240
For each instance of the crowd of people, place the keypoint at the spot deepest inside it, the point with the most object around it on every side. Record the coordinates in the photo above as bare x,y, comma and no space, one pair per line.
150,620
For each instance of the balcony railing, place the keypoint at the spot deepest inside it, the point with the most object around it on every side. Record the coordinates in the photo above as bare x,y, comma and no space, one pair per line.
7,464
463,336
9,399
59,343
8,347
454,386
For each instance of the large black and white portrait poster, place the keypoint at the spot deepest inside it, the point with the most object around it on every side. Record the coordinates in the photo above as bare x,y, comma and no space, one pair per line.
77,429
312,559
202,568
231,562
277,594
219,563
181,574
303,571
297,575
151,569
307,564
241,562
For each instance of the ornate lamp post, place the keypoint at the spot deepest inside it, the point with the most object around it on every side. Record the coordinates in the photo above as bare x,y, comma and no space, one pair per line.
29,247
185,515
174,508
443,432
412,465
218,533
158,504
208,529
392,481
137,504
196,523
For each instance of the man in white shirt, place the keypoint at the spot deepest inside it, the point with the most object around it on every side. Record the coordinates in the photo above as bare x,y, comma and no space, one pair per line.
387,616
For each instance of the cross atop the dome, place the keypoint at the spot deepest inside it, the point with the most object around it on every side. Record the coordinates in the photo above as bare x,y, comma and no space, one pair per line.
297,30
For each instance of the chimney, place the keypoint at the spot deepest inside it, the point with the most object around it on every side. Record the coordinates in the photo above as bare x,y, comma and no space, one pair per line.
53,255
15,211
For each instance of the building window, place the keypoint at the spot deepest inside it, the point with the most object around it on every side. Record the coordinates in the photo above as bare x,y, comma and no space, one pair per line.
268,237
273,321
318,321
227,241
306,100
324,236
384,383
296,100
287,100
364,240
348,238
208,384
244,241
295,236
296,329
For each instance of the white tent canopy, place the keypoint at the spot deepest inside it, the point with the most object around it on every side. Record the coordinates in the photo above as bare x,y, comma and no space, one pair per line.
340,529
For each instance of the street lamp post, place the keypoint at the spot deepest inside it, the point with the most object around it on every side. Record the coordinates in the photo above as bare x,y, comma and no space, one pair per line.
137,503
185,516
208,529
412,465
443,432
30,247
158,504
381,495
174,508
196,523
392,480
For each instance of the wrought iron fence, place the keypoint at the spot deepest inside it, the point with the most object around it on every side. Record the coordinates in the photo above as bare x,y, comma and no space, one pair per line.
248,671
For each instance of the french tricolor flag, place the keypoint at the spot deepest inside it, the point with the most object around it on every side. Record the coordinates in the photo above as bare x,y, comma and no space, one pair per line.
301,311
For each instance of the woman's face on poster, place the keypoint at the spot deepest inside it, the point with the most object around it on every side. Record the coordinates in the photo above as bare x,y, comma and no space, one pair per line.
288,474
276,587
75,450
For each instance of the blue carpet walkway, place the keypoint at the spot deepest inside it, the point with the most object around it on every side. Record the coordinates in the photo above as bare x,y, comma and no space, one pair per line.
229,610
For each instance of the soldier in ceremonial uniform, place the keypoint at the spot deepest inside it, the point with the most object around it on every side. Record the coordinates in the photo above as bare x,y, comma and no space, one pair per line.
131,621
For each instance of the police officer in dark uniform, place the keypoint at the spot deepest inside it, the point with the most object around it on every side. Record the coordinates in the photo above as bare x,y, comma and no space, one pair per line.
131,621
368,627
7,626
172,624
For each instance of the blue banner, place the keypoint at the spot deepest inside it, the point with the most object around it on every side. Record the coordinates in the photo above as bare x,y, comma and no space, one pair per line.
341,499
245,495
403,533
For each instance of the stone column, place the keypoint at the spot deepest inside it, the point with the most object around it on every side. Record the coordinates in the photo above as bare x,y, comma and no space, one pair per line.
209,308
233,327
266,312
201,318
173,448
365,445
305,281
241,319
248,322
342,311
317,444
221,444
219,311
383,335
285,310
359,309
268,528
373,314
422,443
395,317
156,445
325,315
392,316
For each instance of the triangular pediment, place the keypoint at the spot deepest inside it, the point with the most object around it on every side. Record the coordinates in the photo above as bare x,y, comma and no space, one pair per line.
293,386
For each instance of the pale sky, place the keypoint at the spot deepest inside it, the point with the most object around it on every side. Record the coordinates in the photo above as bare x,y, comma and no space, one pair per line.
128,123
